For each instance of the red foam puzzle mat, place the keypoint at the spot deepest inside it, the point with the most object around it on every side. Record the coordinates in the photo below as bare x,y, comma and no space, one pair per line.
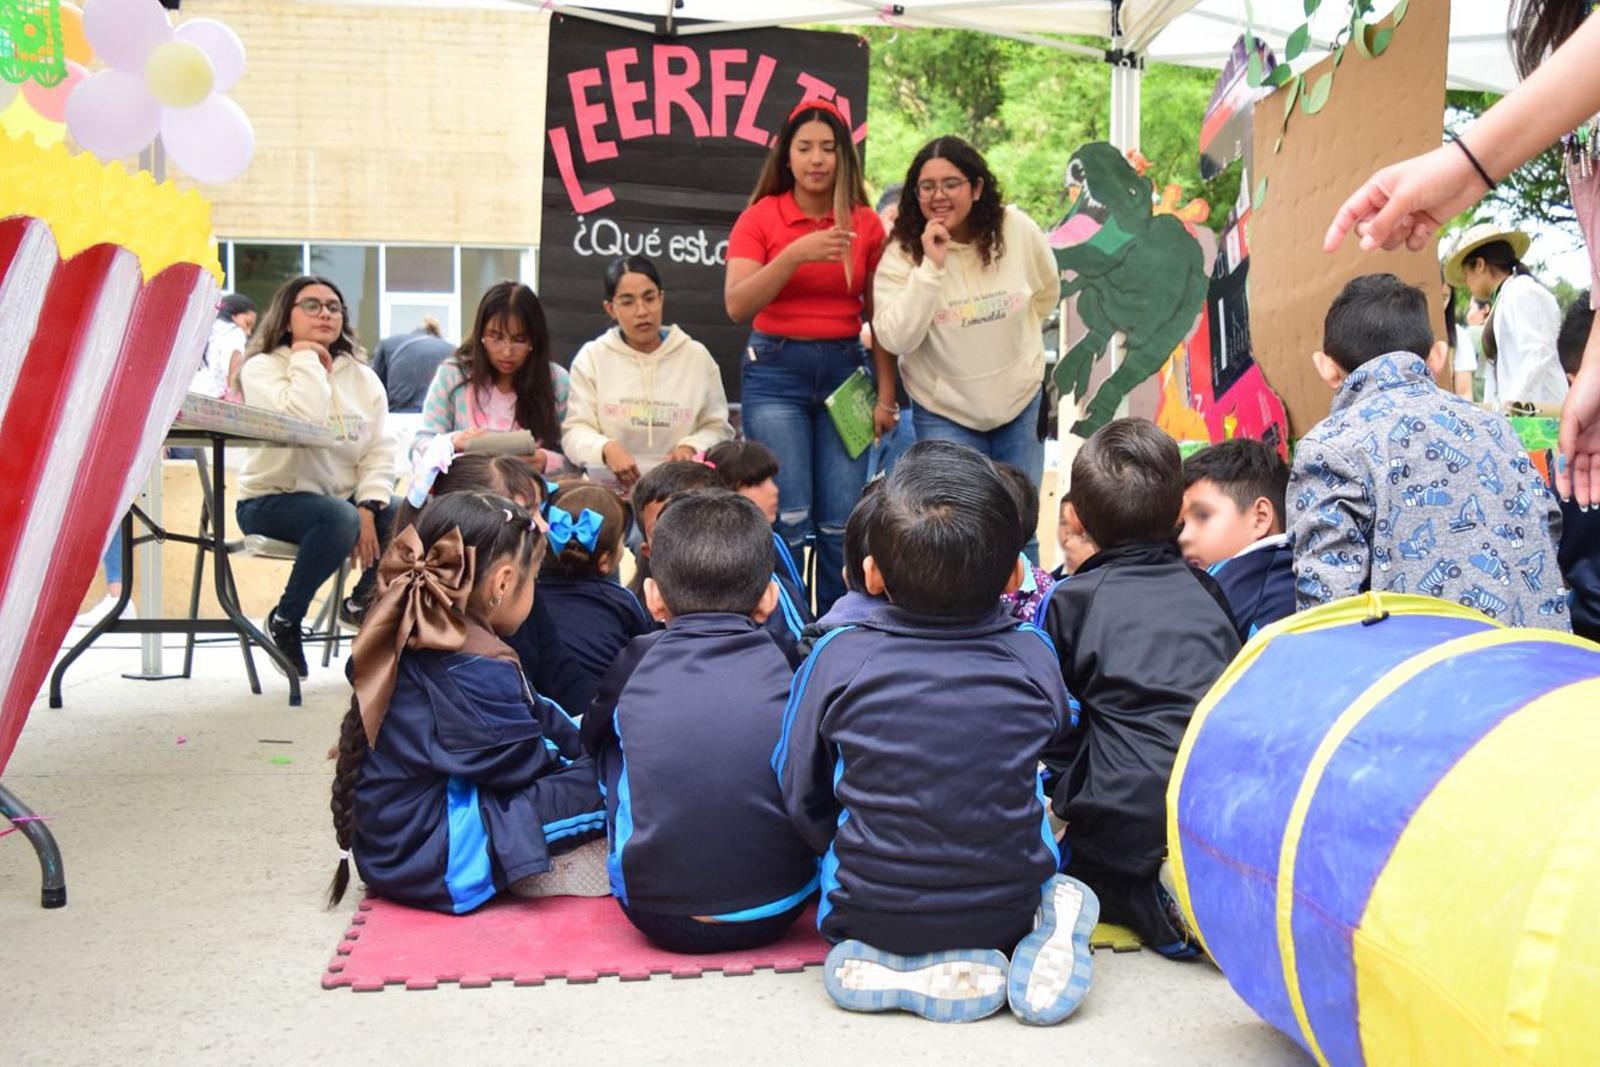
528,942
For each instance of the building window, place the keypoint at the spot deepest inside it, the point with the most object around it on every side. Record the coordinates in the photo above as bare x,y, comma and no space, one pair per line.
354,269
482,268
259,269
419,270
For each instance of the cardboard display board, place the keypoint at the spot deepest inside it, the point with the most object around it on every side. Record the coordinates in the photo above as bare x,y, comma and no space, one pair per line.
652,148
1381,110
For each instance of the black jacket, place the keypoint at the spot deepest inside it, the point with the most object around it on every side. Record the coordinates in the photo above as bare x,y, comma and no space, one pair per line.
551,669
1141,636
909,757
594,619
683,730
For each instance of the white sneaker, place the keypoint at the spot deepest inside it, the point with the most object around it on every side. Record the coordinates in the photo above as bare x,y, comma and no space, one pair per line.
100,611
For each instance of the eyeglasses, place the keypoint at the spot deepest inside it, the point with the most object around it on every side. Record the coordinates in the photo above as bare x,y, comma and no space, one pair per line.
649,300
948,186
312,306
499,340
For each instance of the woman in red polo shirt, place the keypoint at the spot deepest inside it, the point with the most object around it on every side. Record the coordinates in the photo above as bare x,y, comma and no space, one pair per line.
806,280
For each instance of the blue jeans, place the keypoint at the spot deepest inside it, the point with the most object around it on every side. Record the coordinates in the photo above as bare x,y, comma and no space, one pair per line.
1017,443
887,452
784,384
325,527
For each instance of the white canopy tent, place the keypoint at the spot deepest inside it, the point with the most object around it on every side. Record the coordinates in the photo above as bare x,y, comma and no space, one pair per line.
1187,32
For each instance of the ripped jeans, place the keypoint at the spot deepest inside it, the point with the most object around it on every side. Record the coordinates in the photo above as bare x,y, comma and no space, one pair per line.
783,384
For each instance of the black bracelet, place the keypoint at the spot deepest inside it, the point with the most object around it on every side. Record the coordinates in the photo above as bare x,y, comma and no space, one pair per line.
1459,143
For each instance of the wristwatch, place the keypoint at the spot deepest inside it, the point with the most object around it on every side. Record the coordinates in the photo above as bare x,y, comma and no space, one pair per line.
374,506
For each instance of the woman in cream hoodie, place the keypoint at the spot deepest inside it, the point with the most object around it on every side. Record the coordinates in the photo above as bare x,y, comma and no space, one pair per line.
961,295
333,502
639,390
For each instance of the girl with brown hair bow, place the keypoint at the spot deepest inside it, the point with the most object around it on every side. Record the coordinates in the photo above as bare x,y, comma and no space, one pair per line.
455,780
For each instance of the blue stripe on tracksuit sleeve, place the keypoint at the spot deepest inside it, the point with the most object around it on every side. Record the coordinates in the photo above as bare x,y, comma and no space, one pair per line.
781,753
791,615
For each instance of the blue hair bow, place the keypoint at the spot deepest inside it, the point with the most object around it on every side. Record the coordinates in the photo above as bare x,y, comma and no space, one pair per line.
564,529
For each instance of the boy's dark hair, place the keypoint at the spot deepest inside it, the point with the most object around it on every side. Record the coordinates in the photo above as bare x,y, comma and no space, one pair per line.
667,480
712,551
492,527
742,463
945,534
1244,469
1127,484
1026,494
1574,335
856,530
1374,315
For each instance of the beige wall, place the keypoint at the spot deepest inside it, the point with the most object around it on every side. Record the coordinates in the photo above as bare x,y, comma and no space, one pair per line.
386,124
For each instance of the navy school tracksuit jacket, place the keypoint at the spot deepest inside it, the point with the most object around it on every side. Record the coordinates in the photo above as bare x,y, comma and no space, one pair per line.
550,669
793,613
595,618
472,779
1259,584
1579,558
683,730
1141,637
909,759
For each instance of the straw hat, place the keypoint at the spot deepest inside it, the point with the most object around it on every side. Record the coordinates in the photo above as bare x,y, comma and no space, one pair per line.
1474,238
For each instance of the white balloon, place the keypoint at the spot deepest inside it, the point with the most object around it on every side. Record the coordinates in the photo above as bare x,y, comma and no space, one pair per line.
211,142
123,31
218,41
112,114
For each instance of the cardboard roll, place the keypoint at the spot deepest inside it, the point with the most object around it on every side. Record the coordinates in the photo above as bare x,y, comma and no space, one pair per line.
1384,824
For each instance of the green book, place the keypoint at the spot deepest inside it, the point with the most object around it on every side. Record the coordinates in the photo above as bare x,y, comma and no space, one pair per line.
850,407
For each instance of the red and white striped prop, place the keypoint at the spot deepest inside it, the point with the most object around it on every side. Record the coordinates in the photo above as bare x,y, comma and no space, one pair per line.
96,353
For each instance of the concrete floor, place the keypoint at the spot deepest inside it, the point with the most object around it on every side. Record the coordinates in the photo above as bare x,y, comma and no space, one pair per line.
195,930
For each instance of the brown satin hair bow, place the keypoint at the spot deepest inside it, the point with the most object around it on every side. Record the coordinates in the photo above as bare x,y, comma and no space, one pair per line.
422,604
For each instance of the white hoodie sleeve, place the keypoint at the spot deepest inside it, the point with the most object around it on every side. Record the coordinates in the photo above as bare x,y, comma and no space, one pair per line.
375,470
297,386
1043,272
904,299
581,437
711,425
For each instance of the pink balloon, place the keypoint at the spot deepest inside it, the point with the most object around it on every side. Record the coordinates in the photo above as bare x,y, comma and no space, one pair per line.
112,114
218,41
211,142
51,103
123,31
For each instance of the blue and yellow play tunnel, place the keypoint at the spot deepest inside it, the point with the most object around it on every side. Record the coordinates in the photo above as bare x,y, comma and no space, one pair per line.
1384,825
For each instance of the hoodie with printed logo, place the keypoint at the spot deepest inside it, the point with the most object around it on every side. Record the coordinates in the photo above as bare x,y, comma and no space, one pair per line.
648,402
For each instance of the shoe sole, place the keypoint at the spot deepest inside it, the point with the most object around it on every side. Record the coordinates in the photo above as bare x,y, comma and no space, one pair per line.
957,986
1052,967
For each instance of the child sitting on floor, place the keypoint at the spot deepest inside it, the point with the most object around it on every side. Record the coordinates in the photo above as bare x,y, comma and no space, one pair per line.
1037,582
750,469
1141,636
1580,530
454,781
550,668
909,757
1233,529
651,493
1407,487
703,856
594,615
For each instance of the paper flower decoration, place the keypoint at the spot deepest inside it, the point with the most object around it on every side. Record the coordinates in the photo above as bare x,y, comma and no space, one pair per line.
162,81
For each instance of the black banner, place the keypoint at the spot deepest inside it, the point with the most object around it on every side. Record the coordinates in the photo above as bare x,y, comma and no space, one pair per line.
652,147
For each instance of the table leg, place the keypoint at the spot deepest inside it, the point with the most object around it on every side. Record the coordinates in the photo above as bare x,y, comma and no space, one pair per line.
105,623
223,570
53,891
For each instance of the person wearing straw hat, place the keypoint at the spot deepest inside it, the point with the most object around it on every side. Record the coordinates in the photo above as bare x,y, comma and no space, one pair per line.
1519,338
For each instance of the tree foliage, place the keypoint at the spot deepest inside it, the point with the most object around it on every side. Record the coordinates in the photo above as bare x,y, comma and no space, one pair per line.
1027,108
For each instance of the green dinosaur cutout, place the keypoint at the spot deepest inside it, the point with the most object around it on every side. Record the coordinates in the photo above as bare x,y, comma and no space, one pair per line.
1136,274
